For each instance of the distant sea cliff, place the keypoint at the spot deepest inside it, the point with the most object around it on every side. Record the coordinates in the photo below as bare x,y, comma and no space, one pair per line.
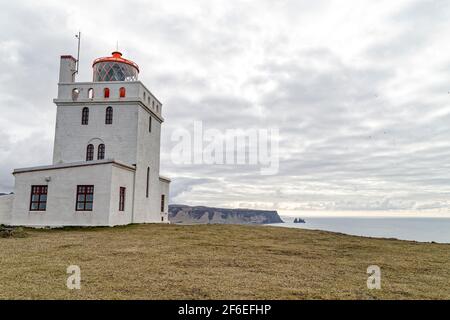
182,214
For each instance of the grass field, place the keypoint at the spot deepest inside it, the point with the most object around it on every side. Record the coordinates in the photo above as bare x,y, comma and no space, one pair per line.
218,262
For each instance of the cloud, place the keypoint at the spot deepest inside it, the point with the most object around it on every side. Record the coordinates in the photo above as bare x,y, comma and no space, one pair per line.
359,91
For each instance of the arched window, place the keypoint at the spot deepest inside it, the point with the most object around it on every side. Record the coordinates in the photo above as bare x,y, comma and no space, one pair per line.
90,152
85,116
75,94
101,152
144,95
109,115
91,93
122,92
106,92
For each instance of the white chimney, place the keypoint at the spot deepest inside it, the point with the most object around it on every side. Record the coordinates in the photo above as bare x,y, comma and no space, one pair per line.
67,69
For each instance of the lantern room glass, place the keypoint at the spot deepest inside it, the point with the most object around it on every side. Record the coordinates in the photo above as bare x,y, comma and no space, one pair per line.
114,71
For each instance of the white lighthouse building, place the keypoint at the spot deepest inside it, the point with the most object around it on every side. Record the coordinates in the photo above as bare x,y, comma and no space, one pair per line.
106,155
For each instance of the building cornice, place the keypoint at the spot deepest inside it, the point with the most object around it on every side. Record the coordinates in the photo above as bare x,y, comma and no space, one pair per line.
165,179
91,83
85,102
75,165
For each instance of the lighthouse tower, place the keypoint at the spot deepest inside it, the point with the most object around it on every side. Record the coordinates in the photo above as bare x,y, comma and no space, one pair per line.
106,155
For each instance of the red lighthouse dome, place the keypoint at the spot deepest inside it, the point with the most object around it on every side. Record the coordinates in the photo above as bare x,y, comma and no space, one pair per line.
115,68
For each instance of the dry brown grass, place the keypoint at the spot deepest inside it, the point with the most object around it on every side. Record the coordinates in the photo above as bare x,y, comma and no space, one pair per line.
218,262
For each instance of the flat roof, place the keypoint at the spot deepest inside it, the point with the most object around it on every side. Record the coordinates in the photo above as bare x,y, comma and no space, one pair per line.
75,164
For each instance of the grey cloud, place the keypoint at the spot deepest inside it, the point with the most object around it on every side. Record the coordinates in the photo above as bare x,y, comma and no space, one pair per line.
360,130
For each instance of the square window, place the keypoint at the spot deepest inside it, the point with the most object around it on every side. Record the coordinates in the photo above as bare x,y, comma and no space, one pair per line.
38,199
85,198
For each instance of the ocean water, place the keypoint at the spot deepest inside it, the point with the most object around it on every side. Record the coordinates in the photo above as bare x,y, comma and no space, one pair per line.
403,228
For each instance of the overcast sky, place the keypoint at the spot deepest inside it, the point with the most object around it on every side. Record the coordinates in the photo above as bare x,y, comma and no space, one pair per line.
360,91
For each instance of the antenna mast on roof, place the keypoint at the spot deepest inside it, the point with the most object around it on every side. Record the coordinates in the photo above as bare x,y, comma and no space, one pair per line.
78,36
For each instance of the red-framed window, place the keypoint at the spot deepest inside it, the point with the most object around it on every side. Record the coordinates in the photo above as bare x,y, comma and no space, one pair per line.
85,198
90,152
122,92
109,115
85,116
163,199
122,199
106,92
101,152
38,200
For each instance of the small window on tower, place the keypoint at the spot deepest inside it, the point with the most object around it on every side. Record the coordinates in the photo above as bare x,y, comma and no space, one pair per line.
109,115
90,152
101,152
122,199
122,92
149,124
106,92
91,93
85,116
75,94
144,95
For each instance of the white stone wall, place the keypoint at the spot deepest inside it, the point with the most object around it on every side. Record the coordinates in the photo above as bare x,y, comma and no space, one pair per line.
6,203
128,138
121,178
72,138
148,155
62,195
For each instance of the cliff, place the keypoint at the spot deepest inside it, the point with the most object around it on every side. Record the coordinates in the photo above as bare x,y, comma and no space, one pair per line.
203,215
